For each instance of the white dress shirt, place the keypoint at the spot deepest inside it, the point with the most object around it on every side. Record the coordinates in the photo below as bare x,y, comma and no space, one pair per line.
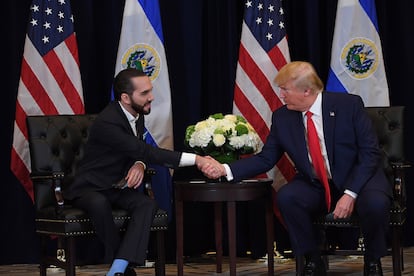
317,118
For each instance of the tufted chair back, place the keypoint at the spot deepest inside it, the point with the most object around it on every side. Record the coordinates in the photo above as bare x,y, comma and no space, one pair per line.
388,123
389,126
56,144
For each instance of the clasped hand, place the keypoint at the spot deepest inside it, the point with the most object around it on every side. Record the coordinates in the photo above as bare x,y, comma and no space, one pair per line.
210,167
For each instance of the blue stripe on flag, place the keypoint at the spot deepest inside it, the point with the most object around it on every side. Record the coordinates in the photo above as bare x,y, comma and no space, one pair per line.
163,188
369,8
334,83
152,10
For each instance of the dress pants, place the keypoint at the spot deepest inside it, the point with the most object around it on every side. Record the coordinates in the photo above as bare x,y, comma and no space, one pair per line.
134,243
300,201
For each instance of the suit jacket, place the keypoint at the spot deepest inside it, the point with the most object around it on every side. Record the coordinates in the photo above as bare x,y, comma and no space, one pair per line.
111,149
351,144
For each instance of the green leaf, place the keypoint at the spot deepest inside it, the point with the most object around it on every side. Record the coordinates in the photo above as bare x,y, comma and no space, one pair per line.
219,131
241,129
228,133
241,119
188,132
227,147
227,157
217,116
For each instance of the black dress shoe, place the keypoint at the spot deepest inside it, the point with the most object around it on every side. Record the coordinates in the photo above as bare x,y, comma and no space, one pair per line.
373,268
314,268
129,271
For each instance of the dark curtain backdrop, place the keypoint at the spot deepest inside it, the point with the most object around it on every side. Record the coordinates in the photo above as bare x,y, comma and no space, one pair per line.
201,41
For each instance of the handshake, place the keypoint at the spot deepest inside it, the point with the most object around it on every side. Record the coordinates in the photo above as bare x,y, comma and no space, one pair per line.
210,167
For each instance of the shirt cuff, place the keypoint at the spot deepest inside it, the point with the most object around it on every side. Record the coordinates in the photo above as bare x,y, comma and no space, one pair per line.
143,164
351,193
229,174
187,159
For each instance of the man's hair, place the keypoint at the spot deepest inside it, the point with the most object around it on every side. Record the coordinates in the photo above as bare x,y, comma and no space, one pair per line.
303,75
123,83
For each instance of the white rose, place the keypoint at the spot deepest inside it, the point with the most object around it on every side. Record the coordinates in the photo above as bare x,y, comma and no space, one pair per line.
200,138
253,141
231,117
237,141
219,140
227,125
200,125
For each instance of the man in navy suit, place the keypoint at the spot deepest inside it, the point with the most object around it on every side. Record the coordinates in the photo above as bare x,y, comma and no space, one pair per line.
352,162
115,152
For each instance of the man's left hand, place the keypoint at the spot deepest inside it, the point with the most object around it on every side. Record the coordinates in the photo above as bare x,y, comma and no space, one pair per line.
344,207
135,175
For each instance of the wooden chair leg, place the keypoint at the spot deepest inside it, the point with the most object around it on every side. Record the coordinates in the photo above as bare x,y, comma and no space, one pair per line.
270,237
179,222
43,254
70,257
397,265
160,261
300,264
325,247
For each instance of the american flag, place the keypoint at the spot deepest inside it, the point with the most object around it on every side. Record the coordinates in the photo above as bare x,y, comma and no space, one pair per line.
50,81
263,52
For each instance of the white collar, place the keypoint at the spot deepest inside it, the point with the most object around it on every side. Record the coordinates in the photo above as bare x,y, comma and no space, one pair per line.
129,116
316,107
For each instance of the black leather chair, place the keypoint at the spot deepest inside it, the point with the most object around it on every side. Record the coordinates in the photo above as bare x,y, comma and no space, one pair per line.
56,145
389,125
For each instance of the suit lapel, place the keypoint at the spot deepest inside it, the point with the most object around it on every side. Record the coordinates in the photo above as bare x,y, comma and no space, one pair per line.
329,118
299,133
123,117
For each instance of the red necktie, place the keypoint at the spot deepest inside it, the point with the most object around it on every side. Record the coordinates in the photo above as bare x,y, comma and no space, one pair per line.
317,159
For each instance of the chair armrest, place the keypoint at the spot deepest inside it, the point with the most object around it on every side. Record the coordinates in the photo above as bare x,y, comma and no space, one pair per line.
399,182
149,172
56,179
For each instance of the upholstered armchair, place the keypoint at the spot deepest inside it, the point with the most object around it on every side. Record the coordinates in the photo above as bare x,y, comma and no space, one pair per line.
56,145
389,125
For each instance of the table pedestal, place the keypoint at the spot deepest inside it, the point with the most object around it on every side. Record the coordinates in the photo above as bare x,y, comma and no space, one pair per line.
219,193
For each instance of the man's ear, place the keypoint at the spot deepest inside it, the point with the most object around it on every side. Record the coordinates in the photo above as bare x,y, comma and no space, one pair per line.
125,98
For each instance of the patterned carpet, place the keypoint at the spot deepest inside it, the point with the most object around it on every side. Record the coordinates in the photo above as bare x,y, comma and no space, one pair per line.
205,265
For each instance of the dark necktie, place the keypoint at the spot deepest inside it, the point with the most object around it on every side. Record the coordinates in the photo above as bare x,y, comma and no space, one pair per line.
138,129
317,159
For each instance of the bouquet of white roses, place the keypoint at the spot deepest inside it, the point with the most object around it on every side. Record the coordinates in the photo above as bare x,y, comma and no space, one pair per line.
224,137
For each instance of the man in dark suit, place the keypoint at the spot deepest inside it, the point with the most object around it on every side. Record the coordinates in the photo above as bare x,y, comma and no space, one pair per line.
115,152
351,159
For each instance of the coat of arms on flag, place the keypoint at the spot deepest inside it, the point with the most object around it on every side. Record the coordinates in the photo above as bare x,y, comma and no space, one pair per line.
144,57
360,58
